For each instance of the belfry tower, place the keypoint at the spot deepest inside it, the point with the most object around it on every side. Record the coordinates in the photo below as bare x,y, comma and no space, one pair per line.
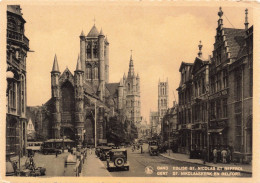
163,99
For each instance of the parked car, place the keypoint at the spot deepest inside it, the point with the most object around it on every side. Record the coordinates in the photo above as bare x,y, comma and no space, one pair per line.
104,152
117,160
111,145
50,150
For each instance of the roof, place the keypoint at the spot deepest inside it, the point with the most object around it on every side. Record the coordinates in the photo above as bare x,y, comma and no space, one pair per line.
14,9
55,67
235,40
93,32
184,64
89,88
112,87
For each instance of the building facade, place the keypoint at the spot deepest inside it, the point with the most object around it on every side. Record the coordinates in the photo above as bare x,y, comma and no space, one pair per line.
231,82
215,95
170,133
199,101
16,94
86,99
185,108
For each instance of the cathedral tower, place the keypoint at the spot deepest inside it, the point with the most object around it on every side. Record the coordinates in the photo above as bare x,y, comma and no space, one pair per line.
94,56
55,88
163,99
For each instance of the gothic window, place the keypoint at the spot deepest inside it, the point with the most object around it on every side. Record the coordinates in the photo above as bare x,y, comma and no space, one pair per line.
212,84
12,95
95,73
165,103
212,110
203,85
238,83
88,74
163,91
225,78
23,94
95,50
67,94
218,109
128,87
225,108
89,50
161,102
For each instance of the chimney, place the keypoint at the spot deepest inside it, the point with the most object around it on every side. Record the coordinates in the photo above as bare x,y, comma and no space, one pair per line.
200,47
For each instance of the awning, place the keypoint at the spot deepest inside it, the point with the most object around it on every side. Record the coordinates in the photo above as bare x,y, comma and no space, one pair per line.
215,130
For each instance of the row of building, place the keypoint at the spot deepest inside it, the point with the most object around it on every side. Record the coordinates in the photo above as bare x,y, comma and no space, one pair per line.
81,104
215,97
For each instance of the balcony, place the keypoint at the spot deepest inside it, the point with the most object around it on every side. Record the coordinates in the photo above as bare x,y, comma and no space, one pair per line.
18,37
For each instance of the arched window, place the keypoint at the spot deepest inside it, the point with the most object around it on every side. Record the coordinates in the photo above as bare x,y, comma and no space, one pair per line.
95,50
88,74
89,50
23,94
161,102
96,73
128,87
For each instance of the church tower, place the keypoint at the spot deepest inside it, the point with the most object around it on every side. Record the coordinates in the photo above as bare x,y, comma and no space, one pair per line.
55,88
79,102
94,57
163,99
132,88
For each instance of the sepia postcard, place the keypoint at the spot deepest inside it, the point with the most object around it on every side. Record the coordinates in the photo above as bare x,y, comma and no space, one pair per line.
129,91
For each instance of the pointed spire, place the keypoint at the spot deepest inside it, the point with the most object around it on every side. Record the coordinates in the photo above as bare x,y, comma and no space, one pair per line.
82,34
131,66
55,67
78,67
246,19
107,39
124,77
200,47
121,83
101,32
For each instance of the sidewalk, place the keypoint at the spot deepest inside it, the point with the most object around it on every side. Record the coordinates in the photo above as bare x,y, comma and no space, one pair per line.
185,158
93,167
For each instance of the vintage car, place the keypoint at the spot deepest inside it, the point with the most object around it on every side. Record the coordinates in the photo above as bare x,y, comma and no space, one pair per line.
104,152
117,159
50,150
153,148
111,145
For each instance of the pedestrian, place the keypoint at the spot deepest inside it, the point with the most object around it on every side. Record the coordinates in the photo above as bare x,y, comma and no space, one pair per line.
90,150
204,155
56,153
215,155
228,155
224,156
141,149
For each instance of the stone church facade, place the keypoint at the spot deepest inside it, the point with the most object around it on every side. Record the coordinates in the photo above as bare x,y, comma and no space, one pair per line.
86,99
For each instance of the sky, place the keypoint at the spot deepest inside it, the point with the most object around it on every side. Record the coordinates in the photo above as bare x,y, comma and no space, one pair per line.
160,35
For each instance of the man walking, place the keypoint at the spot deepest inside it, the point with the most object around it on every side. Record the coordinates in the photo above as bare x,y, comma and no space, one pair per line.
215,155
204,155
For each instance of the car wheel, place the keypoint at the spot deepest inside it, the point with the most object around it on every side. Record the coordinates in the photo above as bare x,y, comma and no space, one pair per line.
127,168
45,152
119,162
